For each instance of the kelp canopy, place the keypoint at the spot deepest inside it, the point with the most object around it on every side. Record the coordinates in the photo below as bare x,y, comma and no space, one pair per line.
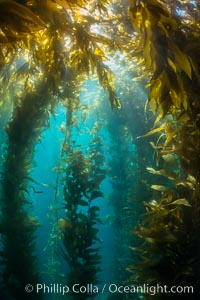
48,49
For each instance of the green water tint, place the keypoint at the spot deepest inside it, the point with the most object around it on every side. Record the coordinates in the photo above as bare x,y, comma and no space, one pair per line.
62,54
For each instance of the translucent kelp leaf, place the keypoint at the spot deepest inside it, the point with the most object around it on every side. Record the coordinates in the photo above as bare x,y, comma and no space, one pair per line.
181,201
163,172
100,53
151,132
160,188
194,67
153,171
182,94
154,105
159,117
147,53
176,100
136,18
182,60
172,64
170,133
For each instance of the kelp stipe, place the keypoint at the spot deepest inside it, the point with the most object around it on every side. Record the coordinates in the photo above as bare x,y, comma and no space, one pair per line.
121,176
18,226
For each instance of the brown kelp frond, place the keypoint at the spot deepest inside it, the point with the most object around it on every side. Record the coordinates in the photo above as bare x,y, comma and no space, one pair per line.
163,46
122,171
178,139
168,232
18,226
167,47
79,227
16,21
57,35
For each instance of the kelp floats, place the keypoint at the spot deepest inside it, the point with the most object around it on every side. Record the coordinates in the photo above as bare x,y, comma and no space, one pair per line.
170,251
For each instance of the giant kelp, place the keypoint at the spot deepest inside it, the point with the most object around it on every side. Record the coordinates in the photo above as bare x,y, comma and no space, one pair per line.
18,226
170,253
130,184
164,46
122,176
57,44
34,39
80,222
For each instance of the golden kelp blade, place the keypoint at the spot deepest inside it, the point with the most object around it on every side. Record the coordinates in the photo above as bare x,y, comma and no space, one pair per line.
160,188
181,201
151,132
182,61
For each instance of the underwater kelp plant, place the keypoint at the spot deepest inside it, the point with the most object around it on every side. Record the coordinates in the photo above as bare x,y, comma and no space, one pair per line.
170,253
44,42
163,46
130,185
122,169
80,172
18,226
79,225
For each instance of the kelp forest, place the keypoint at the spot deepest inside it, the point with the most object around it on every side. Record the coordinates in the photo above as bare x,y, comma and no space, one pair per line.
100,149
